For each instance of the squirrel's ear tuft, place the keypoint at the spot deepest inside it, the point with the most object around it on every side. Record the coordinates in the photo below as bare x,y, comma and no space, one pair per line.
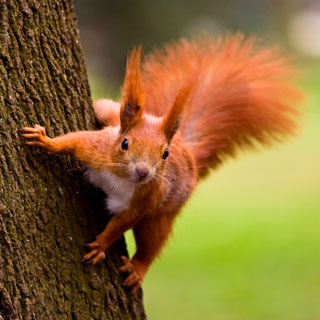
133,95
171,121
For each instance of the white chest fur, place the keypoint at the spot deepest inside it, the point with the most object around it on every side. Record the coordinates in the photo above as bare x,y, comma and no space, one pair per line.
119,190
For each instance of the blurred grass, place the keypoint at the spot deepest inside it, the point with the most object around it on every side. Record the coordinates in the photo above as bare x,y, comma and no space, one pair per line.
247,245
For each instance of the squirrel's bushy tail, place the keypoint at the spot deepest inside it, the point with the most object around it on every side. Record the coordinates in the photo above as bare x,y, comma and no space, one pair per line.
241,94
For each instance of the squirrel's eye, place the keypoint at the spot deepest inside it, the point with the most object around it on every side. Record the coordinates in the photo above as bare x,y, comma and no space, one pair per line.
165,154
125,144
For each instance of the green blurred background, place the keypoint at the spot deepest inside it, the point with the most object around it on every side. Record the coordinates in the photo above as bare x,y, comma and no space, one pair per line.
247,245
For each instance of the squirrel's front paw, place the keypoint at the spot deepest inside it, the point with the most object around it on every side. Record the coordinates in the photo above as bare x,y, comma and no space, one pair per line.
136,273
96,254
36,136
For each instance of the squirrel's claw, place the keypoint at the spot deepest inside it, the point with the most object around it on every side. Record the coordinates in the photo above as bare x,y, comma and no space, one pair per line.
38,130
99,257
37,134
93,257
96,254
135,277
92,245
127,265
134,281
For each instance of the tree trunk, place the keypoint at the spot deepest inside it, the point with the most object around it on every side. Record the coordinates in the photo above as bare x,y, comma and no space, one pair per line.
47,210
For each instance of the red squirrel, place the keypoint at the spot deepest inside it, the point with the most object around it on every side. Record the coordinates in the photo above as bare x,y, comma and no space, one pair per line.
182,113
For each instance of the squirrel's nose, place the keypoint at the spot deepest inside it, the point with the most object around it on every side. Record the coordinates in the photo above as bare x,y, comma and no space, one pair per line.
142,171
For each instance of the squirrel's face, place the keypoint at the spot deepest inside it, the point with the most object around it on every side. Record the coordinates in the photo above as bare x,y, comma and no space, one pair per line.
141,152
141,149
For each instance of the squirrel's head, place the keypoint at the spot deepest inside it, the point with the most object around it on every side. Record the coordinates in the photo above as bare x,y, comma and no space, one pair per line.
143,145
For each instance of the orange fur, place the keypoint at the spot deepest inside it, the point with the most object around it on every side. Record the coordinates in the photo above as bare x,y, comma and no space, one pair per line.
171,121
203,100
133,94
241,95
107,112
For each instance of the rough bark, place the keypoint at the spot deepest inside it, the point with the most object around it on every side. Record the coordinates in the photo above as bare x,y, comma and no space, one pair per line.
47,210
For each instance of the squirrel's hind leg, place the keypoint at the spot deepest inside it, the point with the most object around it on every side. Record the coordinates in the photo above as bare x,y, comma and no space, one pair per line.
107,112
150,234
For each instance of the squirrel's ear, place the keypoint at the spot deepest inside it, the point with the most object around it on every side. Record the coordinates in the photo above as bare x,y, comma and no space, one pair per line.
133,95
171,121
